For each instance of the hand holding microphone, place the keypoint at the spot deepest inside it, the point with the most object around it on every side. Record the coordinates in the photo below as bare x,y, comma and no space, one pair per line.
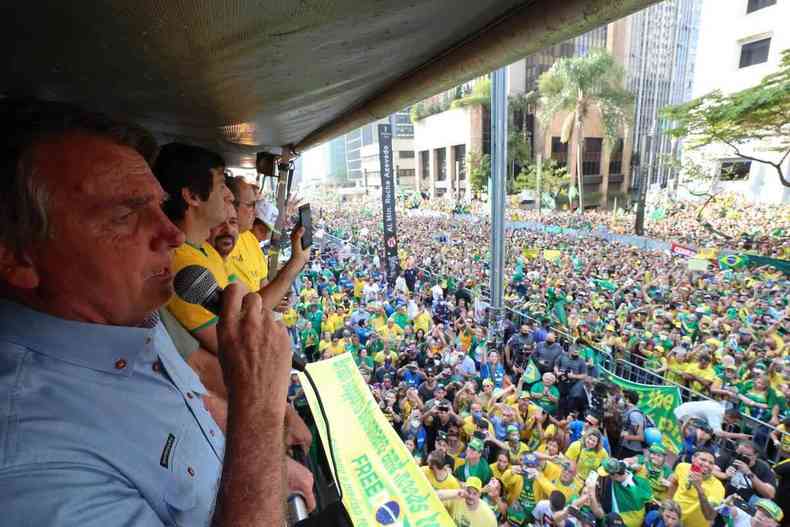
196,285
254,349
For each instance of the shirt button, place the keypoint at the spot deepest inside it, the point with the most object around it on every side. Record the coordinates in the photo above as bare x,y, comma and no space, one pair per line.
211,432
157,366
147,340
191,471
120,364
189,395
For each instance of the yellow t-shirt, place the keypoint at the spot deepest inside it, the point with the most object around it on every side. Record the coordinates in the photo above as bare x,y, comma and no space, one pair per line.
192,316
547,486
246,262
449,483
707,374
290,317
586,460
688,500
483,516
423,322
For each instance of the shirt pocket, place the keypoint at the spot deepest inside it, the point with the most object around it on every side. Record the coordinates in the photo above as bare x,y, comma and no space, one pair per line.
181,484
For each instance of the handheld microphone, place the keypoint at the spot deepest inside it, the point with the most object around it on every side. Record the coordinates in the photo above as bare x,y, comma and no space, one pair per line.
196,285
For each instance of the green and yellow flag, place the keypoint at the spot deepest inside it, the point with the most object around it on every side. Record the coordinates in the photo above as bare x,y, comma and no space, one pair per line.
381,483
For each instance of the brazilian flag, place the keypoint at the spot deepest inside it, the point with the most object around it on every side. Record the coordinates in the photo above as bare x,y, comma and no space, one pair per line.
531,374
732,261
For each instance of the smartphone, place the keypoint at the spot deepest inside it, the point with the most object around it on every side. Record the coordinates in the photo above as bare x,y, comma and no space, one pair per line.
306,221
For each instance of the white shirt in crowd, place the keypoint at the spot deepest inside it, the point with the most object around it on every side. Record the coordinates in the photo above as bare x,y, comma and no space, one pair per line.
437,292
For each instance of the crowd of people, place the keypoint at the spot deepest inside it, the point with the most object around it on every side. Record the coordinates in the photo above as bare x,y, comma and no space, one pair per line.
507,444
128,405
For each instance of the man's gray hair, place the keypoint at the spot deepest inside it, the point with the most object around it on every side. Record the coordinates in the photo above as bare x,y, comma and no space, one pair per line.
25,123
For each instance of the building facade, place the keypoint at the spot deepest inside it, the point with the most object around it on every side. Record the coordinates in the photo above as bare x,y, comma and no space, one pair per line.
603,172
740,43
362,154
442,142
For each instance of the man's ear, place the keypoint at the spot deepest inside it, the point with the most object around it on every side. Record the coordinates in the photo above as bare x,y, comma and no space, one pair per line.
190,197
17,269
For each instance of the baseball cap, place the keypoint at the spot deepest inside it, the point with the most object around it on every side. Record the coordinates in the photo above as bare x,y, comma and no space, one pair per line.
612,466
772,509
476,444
530,460
657,449
267,213
474,483
512,429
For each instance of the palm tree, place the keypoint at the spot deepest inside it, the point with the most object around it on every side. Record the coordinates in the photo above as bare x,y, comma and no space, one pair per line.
579,86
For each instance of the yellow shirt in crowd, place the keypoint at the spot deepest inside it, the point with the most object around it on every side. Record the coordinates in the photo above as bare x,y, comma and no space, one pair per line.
246,262
688,500
448,483
192,316
483,516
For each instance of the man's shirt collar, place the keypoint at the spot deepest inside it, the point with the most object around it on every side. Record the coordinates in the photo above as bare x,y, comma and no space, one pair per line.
111,349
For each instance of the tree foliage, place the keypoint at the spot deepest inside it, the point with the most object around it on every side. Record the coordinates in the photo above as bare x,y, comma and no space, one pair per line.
479,166
579,86
757,114
553,178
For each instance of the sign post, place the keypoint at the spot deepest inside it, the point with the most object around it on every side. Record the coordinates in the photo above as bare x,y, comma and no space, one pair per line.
391,262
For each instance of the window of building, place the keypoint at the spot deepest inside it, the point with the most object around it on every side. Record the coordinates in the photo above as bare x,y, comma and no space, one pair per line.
734,169
402,118
439,192
406,154
559,150
591,157
756,5
367,134
616,158
754,52
460,157
405,173
404,131
441,164
425,165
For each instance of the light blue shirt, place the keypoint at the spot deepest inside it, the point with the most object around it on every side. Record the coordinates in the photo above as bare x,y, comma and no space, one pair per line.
101,426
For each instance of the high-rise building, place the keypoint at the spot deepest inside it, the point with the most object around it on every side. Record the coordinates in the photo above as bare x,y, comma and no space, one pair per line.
362,153
741,41
660,60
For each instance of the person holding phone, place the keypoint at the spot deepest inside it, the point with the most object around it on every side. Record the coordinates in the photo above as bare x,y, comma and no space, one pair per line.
696,490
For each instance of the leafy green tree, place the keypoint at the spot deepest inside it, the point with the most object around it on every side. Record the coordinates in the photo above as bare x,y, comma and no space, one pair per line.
554,178
479,166
757,114
580,86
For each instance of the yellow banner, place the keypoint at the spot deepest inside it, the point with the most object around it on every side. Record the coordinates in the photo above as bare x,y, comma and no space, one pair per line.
552,255
530,254
382,485
709,253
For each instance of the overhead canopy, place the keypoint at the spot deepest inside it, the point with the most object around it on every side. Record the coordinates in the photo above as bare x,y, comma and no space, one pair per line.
242,76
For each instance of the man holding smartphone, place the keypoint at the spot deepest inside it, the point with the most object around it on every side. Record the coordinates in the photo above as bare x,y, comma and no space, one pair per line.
694,487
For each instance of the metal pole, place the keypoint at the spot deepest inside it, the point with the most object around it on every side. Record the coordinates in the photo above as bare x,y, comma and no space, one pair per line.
539,159
497,199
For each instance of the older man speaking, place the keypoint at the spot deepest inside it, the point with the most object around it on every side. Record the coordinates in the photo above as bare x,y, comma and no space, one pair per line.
101,421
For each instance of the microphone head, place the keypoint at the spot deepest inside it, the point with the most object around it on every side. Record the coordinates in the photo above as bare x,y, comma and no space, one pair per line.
196,285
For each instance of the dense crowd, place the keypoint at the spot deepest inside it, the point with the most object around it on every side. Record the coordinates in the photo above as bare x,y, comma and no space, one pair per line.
526,433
